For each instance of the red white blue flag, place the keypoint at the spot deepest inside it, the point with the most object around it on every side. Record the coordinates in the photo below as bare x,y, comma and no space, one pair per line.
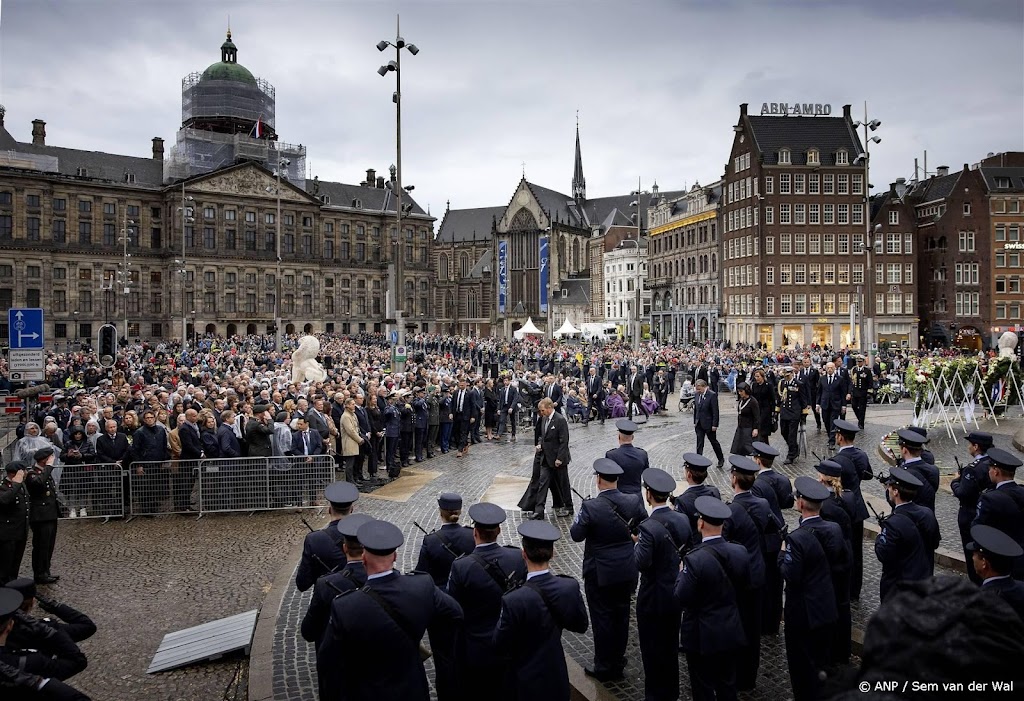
257,131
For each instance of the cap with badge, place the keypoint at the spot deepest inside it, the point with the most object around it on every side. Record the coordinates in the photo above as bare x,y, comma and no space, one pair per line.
979,438
487,515
380,537
540,531
26,586
696,460
42,454
904,476
997,547
341,493
763,450
260,408
911,438
350,525
1004,459
626,427
829,468
846,426
15,465
810,489
788,370
657,480
712,510
741,463
449,501
606,467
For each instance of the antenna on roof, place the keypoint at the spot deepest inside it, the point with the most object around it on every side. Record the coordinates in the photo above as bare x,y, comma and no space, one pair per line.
523,163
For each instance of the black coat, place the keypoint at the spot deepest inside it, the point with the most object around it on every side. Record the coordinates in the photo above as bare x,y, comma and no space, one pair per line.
13,511
706,590
435,559
554,442
327,587
321,552
810,597
906,546
684,504
1003,508
608,553
42,492
657,554
856,468
633,462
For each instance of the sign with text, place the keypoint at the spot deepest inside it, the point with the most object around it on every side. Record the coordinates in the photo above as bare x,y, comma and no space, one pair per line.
543,274
502,275
25,328
795,109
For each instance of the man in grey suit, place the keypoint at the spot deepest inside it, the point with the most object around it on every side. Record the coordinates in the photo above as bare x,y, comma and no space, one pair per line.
553,446
705,419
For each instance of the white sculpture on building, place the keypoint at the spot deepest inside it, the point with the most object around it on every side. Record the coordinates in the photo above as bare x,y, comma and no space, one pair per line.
304,365
1007,342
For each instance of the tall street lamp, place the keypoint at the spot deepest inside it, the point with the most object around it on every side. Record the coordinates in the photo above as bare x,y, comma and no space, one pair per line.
638,309
186,218
867,326
396,66
282,163
124,273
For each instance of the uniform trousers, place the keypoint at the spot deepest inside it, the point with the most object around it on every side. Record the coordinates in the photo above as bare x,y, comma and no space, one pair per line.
857,566
11,554
712,677
44,538
807,652
659,637
609,619
748,657
771,601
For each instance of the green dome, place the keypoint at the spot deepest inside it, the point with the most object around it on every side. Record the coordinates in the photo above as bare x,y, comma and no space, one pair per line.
228,71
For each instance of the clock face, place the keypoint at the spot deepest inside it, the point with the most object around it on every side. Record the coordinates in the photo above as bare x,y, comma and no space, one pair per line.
523,197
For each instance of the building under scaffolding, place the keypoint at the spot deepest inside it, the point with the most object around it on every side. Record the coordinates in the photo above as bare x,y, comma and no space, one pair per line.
227,116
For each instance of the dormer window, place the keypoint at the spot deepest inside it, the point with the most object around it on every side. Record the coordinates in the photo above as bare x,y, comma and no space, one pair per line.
357,203
784,157
842,157
565,294
82,172
813,157
129,177
326,199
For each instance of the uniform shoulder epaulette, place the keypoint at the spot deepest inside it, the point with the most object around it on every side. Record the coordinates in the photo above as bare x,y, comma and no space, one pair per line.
416,573
511,547
566,576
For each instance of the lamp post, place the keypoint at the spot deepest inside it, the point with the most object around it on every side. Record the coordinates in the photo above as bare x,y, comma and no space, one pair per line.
186,219
638,309
867,326
396,66
124,272
282,163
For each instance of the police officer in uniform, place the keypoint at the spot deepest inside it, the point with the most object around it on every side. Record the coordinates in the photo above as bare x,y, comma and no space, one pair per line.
752,520
993,553
351,576
972,479
660,545
529,629
706,591
13,520
1002,506
606,523
776,489
695,467
631,459
321,551
76,624
478,580
861,382
906,545
911,445
371,649
43,513
856,467
439,549
838,509
810,597
791,407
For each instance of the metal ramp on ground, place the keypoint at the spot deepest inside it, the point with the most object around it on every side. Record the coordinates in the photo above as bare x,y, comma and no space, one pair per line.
208,641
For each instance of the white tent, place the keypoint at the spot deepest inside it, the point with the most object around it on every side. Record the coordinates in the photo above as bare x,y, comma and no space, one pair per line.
567,329
528,329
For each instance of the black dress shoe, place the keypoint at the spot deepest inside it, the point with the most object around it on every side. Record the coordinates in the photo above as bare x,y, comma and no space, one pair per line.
46,579
537,516
608,676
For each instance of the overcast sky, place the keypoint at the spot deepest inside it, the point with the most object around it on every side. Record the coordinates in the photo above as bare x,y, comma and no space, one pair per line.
497,83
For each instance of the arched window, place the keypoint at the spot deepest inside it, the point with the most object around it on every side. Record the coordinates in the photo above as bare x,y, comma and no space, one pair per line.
442,267
576,267
563,260
449,305
714,263
471,305
464,265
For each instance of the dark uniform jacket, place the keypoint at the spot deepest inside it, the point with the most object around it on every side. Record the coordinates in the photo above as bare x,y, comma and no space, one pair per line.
663,539
18,685
968,486
321,552
374,656
13,510
435,559
685,505
608,553
856,468
810,598
41,649
1002,507
791,403
633,462
76,624
746,527
706,590
905,550
314,623
258,436
1009,590
42,493
529,635
837,549
929,475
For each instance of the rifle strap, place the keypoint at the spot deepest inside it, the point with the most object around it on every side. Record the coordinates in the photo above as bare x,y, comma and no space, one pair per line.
720,559
615,510
390,611
492,569
548,604
448,544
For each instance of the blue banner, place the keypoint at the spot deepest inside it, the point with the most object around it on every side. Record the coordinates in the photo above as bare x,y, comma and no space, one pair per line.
502,275
543,274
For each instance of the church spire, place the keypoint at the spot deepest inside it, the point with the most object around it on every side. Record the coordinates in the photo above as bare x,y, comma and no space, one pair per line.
579,183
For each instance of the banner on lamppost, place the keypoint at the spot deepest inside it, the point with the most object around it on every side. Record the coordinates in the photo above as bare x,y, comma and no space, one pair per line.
502,275
543,274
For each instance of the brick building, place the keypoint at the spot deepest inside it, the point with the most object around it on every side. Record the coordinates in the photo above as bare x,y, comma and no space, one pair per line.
1004,182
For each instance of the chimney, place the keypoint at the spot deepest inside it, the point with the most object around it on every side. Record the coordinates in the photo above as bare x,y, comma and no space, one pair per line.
371,176
3,111
846,113
743,110
38,132
941,171
380,182
158,148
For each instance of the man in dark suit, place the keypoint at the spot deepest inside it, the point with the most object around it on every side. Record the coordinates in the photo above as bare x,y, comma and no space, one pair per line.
529,630
595,396
553,391
696,469
705,420
463,407
809,378
631,459
555,457
305,444
635,388
856,468
508,408
993,553
830,400
909,536
188,464
1002,506
606,523
390,613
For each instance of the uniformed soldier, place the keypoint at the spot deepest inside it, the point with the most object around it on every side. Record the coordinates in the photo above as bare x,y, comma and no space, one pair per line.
906,545
478,580
695,466
791,407
706,591
440,548
328,586
810,613
1002,506
76,624
752,520
660,545
926,454
856,467
606,523
911,445
371,649
13,520
838,509
776,489
631,459
43,513
529,630
971,480
321,551
861,383
993,553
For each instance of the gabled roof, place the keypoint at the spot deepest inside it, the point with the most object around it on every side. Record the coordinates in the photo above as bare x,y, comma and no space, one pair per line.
559,207
1015,176
576,291
462,225
936,187
371,199
798,134
7,142
110,167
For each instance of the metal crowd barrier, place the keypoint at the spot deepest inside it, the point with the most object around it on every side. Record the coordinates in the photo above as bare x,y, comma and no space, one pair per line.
229,484
92,491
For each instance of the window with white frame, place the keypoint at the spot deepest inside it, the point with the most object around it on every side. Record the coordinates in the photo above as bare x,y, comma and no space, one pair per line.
786,274
843,184
785,216
798,183
785,244
908,244
785,184
769,215
857,184
769,305
769,245
829,273
828,244
828,304
799,213
908,274
813,157
843,248
856,214
844,302
799,244
769,275
769,185
785,304
893,244
857,274
842,157
908,303
844,274
843,214
800,274
784,157
828,212
813,214
799,304
894,274
966,241
814,274
814,244
879,273
814,304
894,217
813,184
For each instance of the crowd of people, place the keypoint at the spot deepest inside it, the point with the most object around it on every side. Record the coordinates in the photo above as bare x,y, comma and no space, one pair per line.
711,574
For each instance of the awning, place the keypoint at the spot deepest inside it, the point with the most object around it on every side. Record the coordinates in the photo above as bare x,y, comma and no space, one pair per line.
567,329
528,329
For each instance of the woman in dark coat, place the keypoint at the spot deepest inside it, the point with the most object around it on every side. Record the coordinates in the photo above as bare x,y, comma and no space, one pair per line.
748,421
764,394
490,408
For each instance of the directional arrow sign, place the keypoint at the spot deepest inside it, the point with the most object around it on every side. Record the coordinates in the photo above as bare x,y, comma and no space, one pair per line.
25,328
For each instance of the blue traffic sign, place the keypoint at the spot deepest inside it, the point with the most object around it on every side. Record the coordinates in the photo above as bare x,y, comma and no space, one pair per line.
25,328
394,337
